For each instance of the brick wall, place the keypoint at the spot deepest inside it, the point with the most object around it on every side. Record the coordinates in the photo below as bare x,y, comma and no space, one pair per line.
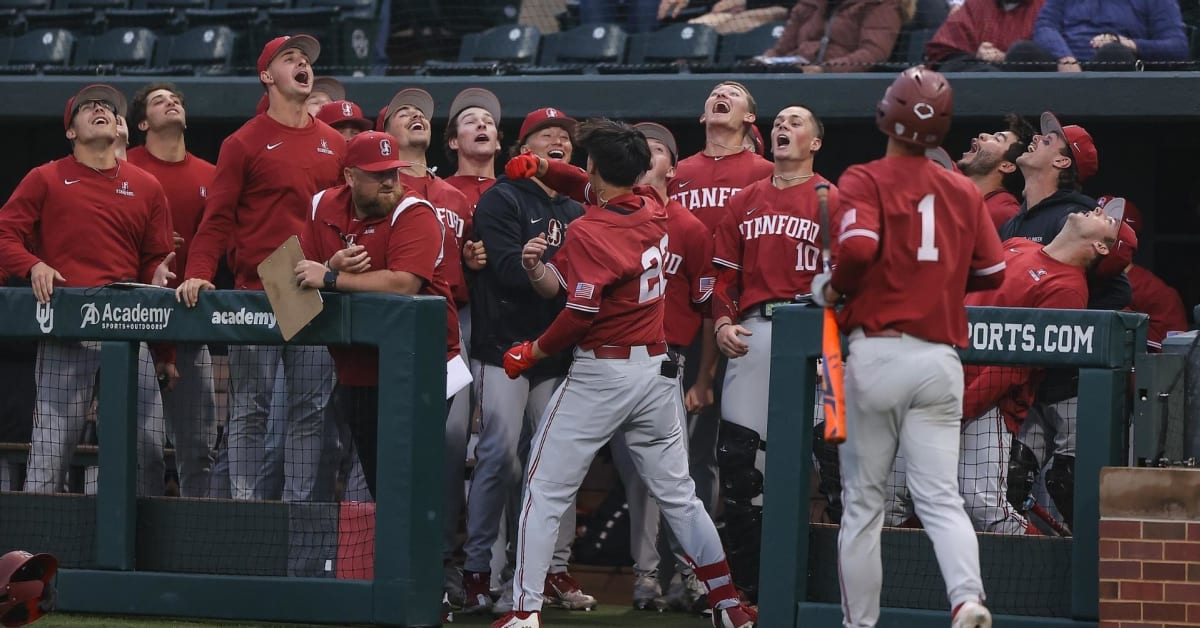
1149,548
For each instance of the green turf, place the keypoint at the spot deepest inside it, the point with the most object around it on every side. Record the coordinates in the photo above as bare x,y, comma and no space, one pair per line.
605,616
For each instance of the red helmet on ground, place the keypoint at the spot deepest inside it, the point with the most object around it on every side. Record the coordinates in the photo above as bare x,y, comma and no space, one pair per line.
916,108
25,590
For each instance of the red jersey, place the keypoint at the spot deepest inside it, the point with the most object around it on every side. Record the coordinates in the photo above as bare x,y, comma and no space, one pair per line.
93,227
408,239
267,174
471,186
772,238
611,265
1031,279
690,274
705,184
186,186
1001,206
1153,297
455,211
909,236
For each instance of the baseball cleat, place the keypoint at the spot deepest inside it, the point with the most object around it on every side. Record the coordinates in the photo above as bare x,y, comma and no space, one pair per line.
504,601
477,597
740,616
562,590
687,596
647,594
971,615
452,584
447,612
518,619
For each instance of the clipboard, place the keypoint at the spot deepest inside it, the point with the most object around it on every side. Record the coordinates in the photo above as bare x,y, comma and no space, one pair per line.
294,306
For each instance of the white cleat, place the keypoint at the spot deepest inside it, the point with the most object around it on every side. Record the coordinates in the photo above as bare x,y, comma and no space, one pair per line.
971,615
519,620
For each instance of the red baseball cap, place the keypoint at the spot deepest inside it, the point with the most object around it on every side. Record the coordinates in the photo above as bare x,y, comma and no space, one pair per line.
1133,215
304,43
539,119
756,136
373,151
1120,254
264,103
1083,149
107,93
344,113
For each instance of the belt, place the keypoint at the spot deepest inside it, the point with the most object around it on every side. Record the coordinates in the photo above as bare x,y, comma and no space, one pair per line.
882,333
610,352
766,309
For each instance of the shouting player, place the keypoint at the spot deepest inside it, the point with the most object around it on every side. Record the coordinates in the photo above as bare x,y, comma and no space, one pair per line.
912,239
991,164
473,141
611,272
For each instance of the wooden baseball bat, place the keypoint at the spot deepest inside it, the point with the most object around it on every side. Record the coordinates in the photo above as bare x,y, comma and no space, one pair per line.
832,387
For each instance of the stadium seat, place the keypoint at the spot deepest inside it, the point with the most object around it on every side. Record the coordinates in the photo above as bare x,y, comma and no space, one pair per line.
667,50
491,52
739,47
579,50
346,29
910,44
112,52
38,49
204,50
159,15
233,13
12,13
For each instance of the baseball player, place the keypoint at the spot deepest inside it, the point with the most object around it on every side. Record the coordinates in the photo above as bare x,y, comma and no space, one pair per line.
189,400
506,310
473,141
767,251
611,272
121,213
325,89
991,164
912,239
267,173
344,117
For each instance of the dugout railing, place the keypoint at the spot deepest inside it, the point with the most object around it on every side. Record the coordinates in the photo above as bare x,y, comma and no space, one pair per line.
799,570
406,587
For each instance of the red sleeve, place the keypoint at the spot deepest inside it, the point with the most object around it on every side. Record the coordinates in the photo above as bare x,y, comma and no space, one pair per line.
987,260
18,221
415,243
956,36
990,384
1002,206
729,287
157,240
856,236
698,266
727,243
567,180
568,328
588,277
212,237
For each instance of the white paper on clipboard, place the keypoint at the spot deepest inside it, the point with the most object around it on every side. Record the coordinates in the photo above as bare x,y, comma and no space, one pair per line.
458,375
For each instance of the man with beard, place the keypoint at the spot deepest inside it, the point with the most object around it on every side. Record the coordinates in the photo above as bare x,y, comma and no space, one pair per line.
267,173
991,164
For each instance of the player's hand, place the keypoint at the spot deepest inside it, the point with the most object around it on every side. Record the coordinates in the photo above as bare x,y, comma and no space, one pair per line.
188,292
812,69
728,6
167,374
671,8
43,278
474,254
519,359
823,294
1069,64
352,259
162,274
310,274
122,136
523,166
178,239
699,396
531,254
730,344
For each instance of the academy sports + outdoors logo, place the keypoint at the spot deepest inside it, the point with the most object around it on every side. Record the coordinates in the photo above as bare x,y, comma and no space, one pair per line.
136,317
1030,337
244,317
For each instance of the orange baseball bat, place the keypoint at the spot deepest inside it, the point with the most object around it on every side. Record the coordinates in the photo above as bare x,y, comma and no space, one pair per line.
832,386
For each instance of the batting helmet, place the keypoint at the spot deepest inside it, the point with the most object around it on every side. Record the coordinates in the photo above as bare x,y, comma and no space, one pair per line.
25,590
916,108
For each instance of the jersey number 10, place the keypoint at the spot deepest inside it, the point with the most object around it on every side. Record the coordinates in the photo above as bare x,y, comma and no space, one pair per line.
652,284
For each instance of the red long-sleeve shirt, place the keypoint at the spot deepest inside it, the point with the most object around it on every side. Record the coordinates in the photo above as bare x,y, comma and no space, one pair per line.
186,185
979,21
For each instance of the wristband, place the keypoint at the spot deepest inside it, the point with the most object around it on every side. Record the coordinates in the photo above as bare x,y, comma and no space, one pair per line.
331,280
539,277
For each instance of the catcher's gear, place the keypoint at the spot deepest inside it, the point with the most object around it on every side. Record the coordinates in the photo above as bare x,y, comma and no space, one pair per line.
26,592
741,483
522,166
1022,472
916,109
1060,483
519,359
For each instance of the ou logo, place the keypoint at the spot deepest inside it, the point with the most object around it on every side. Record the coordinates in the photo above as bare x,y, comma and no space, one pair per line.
89,314
385,147
923,110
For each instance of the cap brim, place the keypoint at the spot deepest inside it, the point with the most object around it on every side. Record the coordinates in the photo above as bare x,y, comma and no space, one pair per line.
304,43
1050,124
331,86
476,97
1115,208
418,98
381,166
939,156
359,123
655,131
106,93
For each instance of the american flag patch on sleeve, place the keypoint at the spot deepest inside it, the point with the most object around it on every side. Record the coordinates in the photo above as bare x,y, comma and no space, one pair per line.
707,284
584,291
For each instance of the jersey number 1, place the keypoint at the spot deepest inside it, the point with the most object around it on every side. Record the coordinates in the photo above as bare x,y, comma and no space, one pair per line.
651,285
927,252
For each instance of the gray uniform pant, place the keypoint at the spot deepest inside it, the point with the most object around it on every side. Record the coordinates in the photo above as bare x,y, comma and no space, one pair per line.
597,399
748,385
902,393
190,413
308,380
508,409
66,379
458,430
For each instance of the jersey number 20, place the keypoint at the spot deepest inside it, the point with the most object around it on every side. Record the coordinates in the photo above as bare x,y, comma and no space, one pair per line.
651,286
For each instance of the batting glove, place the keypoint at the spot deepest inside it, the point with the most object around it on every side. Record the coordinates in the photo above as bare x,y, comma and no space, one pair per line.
519,359
818,289
522,166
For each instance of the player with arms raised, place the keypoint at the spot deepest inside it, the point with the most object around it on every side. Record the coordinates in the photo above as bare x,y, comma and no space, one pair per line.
913,239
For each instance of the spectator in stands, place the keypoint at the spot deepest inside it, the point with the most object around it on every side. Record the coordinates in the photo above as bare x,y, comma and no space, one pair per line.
84,221
840,35
975,39
991,164
1075,35
345,117
729,16
189,400
635,16
325,90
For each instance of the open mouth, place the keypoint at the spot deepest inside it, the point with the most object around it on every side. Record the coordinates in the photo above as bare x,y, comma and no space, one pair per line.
417,125
99,121
482,138
782,140
720,107
302,77
1032,146
556,153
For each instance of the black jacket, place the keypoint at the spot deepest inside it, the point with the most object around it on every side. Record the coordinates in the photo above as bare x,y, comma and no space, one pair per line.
504,307
1042,222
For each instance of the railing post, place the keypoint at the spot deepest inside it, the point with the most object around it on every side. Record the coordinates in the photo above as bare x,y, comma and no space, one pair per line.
116,500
